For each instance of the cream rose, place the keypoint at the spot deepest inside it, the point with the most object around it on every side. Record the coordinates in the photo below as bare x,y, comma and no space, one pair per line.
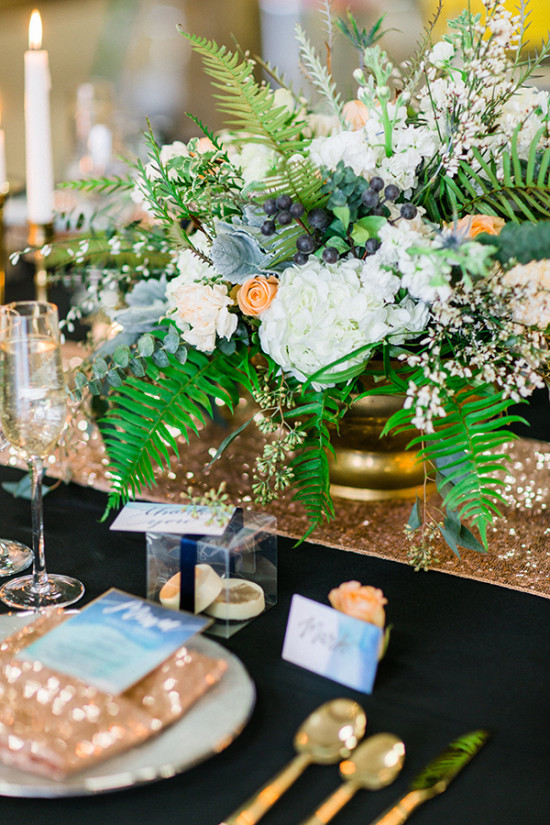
201,311
361,601
256,295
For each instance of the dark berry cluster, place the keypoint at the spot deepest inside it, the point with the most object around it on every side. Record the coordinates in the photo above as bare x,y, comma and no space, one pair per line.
378,195
362,198
282,210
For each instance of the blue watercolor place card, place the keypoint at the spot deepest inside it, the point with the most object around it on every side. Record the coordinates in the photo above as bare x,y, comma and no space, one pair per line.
178,519
332,644
114,641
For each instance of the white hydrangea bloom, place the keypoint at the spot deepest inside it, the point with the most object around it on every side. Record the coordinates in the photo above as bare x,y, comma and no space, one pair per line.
325,312
364,150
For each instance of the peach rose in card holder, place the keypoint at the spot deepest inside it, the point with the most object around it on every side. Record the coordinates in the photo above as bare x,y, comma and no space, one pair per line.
257,294
361,601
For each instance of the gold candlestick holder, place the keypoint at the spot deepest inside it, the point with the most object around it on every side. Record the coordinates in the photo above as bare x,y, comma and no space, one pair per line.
40,234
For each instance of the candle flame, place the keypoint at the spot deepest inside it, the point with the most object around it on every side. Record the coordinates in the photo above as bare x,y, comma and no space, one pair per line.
35,30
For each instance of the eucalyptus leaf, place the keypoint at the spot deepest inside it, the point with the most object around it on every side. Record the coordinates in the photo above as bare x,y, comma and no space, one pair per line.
80,380
114,379
121,356
415,518
171,341
160,358
146,345
136,367
99,367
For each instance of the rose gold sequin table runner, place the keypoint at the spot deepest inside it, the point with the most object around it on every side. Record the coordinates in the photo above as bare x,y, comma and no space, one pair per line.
519,543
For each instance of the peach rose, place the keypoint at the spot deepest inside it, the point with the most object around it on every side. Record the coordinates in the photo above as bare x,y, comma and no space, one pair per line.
476,224
257,294
355,114
361,601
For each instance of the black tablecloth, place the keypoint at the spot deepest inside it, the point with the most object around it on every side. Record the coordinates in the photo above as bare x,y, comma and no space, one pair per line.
462,655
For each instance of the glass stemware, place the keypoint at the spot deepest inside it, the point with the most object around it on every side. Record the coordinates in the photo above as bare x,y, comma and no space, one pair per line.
14,556
33,410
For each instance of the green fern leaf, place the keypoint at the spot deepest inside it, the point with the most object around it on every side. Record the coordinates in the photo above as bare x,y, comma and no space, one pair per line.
138,429
250,106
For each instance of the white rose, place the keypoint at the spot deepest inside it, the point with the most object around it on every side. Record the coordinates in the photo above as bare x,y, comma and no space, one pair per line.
200,311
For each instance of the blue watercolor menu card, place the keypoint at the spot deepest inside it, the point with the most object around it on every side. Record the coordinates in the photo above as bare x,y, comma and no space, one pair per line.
114,641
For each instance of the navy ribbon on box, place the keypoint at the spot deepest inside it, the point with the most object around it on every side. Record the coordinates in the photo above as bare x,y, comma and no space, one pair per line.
188,560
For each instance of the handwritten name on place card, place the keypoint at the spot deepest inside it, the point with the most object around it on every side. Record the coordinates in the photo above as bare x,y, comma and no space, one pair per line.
332,644
144,517
114,641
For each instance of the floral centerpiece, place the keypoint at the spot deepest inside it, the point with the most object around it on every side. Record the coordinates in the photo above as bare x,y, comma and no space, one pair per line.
281,256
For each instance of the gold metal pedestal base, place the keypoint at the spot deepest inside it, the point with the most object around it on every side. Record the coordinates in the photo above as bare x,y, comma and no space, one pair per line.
368,467
366,494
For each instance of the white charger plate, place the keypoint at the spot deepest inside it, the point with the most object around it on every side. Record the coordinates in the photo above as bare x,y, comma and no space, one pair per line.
206,729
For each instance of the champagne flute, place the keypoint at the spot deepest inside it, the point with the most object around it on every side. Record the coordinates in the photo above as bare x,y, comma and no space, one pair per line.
14,556
33,411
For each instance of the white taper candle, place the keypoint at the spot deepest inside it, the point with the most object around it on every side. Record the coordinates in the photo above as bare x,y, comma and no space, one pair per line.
38,138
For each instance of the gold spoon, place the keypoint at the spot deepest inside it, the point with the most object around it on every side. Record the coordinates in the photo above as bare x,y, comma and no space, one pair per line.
328,734
375,764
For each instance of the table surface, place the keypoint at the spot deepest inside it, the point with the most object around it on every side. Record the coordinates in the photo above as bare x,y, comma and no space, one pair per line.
463,655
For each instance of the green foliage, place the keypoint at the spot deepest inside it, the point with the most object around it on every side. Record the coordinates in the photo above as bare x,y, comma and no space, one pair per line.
520,243
361,39
466,450
318,412
144,414
521,193
101,185
319,75
248,105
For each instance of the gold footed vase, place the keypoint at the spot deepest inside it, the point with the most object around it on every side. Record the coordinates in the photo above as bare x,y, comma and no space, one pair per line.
368,467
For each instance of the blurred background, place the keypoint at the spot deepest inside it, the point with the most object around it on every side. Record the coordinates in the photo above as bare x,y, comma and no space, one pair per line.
115,63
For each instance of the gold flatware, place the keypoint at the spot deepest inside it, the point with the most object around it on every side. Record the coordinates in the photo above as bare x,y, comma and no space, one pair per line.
328,734
436,777
373,765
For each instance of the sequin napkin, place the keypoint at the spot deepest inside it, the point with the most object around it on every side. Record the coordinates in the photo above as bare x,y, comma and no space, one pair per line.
55,725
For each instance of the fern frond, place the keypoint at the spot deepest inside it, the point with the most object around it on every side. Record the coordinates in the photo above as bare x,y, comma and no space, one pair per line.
138,428
319,76
310,466
414,68
519,191
467,443
250,106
